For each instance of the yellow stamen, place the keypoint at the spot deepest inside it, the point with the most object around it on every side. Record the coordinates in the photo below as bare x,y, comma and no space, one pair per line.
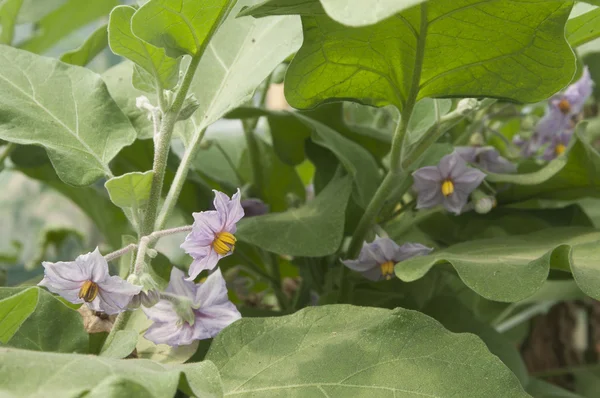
88,291
447,188
559,149
564,106
387,270
224,243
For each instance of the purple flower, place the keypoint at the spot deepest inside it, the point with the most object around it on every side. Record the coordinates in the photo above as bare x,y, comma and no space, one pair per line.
448,184
558,145
212,233
377,259
87,280
486,158
254,207
207,303
558,118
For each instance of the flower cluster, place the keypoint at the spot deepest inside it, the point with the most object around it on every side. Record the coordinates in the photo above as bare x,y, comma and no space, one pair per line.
185,311
556,126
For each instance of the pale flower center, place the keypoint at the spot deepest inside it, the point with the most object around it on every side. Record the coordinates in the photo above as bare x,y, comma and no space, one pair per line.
559,149
387,270
88,291
224,243
447,188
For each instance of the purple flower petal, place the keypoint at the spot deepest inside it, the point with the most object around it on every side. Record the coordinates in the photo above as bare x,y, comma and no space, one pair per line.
98,266
230,210
173,334
468,181
454,203
211,320
114,294
200,264
212,291
409,250
179,286
452,166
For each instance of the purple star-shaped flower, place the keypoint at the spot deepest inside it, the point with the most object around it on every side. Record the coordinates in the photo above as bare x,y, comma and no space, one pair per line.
558,145
377,259
487,158
87,280
209,305
449,183
212,233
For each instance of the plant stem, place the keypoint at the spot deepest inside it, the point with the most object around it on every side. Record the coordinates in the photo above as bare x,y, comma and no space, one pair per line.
396,173
8,149
119,324
276,280
161,151
120,252
147,241
180,177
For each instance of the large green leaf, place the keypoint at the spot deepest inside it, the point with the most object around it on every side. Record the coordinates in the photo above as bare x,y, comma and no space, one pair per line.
572,175
14,310
64,108
163,69
51,326
92,46
496,50
513,268
584,28
72,375
69,17
239,57
130,190
342,350
180,26
9,9
313,230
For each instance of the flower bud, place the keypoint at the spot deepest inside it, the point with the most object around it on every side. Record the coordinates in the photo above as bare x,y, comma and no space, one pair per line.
254,207
190,106
150,298
466,105
135,302
485,205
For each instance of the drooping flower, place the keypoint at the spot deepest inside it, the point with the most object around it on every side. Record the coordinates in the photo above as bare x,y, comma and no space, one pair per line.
448,184
377,259
87,280
194,312
558,145
212,233
558,119
486,158
254,207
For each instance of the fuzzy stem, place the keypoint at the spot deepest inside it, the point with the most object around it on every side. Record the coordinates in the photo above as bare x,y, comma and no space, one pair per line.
8,149
120,324
180,177
163,143
147,241
120,252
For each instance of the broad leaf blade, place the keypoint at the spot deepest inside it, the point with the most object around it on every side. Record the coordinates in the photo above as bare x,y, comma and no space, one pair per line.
65,109
152,59
180,26
513,268
407,54
130,190
92,46
15,310
315,229
341,350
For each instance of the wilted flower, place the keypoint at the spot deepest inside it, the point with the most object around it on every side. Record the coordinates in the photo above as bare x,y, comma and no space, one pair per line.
487,158
558,145
87,280
194,312
448,184
212,233
254,207
377,259
559,114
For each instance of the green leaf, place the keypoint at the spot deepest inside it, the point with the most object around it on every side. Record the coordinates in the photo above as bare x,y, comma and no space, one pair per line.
341,350
224,79
313,230
63,20
425,115
52,326
66,109
122,345
72,375
180,26
543,389
15,310
164,70
570,176
405,58
513,268
92,46
131,190
34,10
583,28
9,9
